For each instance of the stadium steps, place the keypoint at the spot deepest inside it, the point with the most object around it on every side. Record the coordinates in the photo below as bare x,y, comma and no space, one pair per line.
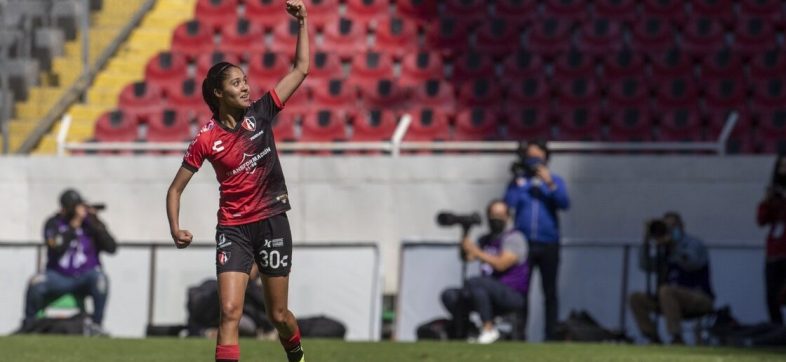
66,69
154,34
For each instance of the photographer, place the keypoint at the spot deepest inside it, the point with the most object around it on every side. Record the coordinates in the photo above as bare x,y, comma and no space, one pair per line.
681,265
501,287
536,194
74,237
772,212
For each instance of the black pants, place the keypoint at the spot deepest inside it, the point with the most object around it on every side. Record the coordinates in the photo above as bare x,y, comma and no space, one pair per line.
545,257
775,277
485,295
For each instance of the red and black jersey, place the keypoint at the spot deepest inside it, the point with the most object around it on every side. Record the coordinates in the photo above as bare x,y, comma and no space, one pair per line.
246,163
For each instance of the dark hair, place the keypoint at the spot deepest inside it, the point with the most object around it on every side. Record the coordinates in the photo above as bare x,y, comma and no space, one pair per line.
778,181
540,144
676,216
497,201
215,76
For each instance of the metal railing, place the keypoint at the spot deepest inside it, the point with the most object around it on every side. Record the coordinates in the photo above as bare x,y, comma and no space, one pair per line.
396,145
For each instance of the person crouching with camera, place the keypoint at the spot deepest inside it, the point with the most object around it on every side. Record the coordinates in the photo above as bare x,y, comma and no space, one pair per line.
681,266
772,213
73,237
502,285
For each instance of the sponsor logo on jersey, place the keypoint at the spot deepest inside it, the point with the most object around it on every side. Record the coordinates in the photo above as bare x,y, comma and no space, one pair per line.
217,146
257,135
222,242
223,257
249,124
282,198
275,243
249,162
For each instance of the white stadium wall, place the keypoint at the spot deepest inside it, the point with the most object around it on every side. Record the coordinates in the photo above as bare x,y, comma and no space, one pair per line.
379,199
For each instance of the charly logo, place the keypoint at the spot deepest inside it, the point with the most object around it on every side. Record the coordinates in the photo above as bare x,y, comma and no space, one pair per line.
223,257
249,124
217,146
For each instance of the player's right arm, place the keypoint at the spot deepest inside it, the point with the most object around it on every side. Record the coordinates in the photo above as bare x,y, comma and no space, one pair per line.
182,238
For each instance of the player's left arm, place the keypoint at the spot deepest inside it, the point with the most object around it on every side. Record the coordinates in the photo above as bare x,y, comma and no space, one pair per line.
287,85
501,262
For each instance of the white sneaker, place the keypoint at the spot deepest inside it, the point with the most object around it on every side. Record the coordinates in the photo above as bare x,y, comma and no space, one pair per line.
488,337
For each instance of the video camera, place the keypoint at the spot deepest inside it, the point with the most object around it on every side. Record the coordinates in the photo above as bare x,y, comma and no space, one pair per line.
525,167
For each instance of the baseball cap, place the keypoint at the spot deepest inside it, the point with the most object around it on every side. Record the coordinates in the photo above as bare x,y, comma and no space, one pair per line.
70,198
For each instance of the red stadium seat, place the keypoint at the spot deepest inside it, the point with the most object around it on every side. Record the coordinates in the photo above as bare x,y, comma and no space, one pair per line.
772,119
116,126
382,93
372,65
448,36
166,70
169,125
652,36
630,124
680,124
520,65
570,10
724,63
324,66
579,123
578,91
322,12
627,92
417,67
549,37
620,10
140,99
421,11
284,127
677,92
375,125
702,37
753,36
722,10
716,120
516,11
496,37
428,125
768,65
600,37
344,37
769,9
471,12
216,13
665,9
367,11
573,65
267,68
268,13
624,64
285,37
528,122
480,93
725,93
192,39
529,91
435,94
242,38
396,36
336,94
207,60
324,125
298,103
672,64
471,66
187,98
770,92
477,124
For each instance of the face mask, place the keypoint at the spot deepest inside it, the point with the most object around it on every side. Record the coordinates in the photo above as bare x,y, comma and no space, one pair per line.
676,234
497,226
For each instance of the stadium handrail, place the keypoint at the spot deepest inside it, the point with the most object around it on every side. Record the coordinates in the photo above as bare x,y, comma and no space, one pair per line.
85,80
397,144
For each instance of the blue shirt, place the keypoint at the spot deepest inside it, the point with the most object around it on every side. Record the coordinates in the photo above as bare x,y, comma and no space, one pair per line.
536,206
687,264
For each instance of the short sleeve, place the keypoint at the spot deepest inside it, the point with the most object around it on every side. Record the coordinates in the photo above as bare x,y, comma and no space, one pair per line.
268,106
196,153
516,244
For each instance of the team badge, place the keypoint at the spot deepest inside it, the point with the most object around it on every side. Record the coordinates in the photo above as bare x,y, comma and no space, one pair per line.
249,124
223,257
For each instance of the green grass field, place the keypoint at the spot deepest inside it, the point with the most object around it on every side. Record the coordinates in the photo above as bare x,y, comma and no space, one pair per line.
77,349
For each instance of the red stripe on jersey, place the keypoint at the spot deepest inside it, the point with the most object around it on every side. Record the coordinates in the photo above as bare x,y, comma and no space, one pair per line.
274,95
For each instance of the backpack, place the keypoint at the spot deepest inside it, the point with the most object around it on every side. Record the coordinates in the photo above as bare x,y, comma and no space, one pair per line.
321,327
581,327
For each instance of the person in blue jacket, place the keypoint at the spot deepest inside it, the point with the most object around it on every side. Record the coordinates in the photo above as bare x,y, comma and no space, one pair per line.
536,195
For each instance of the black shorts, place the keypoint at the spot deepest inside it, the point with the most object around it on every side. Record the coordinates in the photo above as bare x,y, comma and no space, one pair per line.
268,242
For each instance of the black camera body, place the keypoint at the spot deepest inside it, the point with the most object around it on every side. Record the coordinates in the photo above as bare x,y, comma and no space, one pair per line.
657,228
525,167
466,221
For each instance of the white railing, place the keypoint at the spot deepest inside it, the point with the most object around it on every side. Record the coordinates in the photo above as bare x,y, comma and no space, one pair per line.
397,144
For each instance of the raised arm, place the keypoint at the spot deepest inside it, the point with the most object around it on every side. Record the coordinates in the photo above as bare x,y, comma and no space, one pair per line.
287,85
182,238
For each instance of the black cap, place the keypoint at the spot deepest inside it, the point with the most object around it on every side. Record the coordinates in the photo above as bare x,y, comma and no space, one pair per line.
70,198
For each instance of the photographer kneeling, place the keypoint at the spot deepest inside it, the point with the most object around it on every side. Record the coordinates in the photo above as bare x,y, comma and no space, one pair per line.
503,284
683,285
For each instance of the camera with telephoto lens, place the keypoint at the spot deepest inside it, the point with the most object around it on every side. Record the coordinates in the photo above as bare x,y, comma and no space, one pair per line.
657,228
466,221
526,167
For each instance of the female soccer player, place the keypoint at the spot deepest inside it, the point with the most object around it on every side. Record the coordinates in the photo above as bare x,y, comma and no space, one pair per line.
252,221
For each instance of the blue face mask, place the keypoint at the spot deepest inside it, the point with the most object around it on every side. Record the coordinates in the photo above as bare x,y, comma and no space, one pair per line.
676,234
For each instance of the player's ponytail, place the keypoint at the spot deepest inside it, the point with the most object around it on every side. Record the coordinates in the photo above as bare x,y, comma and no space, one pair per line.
215,76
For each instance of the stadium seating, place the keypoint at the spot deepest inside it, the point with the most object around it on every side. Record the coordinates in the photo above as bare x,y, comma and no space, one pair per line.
394,36
520,11
520,65
472,65
216,13
321,12
436,94
381,93
702,36
374,125
417,67
205,61
344,37
579,122
187,98
428,125
477,124
549,37
722,10
622,10
496,37
324,66
168,125
284,127
754,35
324,125
652,36
631,124
448,35
624,64
142,99
372,65
600,37
267,68
242,38
679,124
267,13
422,12
471,12
574,11
116,126
528,122
480,93
367,11
166,70
193,39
